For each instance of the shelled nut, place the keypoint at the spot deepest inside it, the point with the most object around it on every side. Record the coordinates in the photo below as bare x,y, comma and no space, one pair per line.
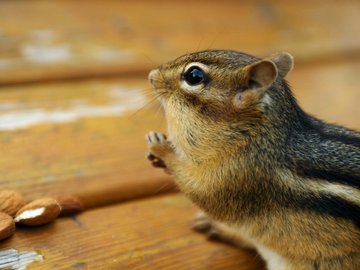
7,225
10,202
38,212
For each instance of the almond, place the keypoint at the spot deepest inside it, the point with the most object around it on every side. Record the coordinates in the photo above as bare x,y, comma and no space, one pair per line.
38,212
10,202
7,226
69,205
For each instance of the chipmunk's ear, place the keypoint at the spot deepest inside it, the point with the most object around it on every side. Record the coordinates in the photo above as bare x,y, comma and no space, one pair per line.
260,75
284,62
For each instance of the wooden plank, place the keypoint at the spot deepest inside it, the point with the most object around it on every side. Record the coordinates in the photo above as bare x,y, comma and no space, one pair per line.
84,138
146,234
49,40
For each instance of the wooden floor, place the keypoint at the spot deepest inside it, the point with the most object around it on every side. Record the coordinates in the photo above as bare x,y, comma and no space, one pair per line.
75,106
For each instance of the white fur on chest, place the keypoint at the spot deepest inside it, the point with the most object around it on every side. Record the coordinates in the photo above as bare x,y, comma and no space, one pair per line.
274,261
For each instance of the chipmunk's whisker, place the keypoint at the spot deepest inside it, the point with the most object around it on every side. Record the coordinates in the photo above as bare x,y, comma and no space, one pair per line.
151,101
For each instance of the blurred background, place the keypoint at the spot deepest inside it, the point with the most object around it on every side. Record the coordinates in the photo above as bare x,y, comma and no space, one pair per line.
75,102
43,41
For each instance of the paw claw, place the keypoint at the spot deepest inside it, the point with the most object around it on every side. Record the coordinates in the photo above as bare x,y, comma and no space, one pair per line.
155,138
201,223
150,156
158,163
214,234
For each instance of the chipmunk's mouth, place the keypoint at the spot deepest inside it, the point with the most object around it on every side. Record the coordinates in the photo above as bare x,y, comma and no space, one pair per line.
154,77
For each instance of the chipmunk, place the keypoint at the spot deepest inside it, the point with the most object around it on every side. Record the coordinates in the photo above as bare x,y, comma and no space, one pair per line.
266,174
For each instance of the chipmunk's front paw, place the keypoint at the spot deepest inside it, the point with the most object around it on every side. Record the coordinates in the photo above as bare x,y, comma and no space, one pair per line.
159,147
218,231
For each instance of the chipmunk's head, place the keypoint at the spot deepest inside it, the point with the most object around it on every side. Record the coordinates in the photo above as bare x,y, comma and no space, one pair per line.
219,87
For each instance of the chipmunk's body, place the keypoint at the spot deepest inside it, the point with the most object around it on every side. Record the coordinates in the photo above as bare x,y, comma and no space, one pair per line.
266,173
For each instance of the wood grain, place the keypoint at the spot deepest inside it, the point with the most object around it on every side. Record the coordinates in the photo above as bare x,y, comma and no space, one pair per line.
84,138
146,234
53,40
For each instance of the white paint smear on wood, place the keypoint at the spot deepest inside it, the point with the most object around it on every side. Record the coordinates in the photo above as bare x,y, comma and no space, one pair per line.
42,35
123,100
42,53
108,54
15,260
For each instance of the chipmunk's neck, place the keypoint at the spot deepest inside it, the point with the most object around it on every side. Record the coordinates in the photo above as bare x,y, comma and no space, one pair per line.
193,138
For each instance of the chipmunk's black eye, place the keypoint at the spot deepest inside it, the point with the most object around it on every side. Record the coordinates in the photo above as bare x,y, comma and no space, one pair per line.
194,75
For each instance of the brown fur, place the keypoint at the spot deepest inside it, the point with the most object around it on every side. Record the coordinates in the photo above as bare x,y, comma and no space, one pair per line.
235,148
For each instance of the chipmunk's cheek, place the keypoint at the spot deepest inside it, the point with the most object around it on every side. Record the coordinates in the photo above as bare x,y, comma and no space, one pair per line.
243,99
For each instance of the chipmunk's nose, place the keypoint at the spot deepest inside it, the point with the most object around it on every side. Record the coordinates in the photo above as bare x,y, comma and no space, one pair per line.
153,76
